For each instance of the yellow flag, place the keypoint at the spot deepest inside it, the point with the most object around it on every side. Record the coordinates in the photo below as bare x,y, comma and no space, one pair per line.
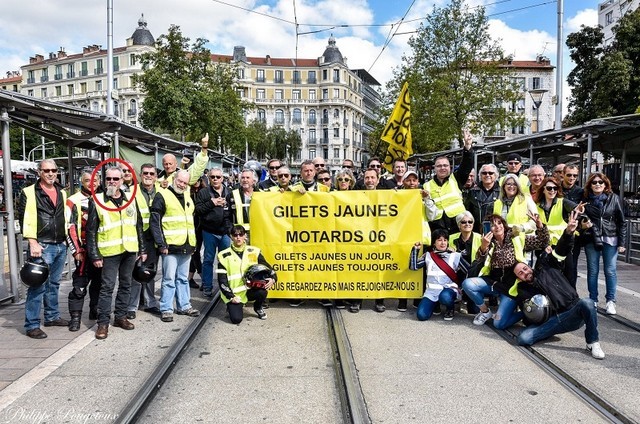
397,132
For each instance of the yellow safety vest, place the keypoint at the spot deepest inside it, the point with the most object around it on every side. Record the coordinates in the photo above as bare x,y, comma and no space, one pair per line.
177,221
447,197
240,205
75,200
30,219
524,182
235,267
518,246
143,207
117,230
556,223
476,241
517,213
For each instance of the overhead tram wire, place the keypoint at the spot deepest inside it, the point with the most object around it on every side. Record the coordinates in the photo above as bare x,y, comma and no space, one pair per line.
389,38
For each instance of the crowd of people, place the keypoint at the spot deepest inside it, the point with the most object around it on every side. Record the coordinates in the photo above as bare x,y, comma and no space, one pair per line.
487,241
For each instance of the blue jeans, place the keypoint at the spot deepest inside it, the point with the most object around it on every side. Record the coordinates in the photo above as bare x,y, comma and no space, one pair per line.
175,282
212,243
609,257
54,254
479,287
583,312
447,297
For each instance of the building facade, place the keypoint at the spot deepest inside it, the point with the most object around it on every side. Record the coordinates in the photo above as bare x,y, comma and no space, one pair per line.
81,79
610,12
322,99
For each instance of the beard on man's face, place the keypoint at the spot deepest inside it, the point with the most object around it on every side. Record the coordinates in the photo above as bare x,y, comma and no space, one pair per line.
178,189
112,190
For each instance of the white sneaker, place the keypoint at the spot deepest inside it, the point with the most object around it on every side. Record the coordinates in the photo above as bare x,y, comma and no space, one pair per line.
596,350
482,317
595,304
611,307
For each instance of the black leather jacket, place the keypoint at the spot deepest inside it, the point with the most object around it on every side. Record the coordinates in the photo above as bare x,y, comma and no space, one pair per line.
213,219
480,203
92,230
51,223
608,221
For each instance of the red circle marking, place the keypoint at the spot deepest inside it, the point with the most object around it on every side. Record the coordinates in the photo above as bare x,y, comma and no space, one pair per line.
93,188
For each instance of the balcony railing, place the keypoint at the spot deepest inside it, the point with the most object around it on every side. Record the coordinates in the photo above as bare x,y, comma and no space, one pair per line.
31,80
311,80
98,71
297,80
346,142
260,79
71,74
278,80
84,72
132,112
116,68
57,77
324,141
311,121
296,120
325,121
278,121
312,141
44,78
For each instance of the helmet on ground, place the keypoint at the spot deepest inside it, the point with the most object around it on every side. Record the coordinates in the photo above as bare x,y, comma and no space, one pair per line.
256,275
537,309
34,272
143,272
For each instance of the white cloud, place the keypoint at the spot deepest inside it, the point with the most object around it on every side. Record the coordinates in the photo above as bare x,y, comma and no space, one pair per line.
523,45
586,17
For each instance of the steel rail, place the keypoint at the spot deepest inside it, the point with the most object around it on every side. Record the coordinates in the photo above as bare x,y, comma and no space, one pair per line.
354,406
620,320
141,400
597,402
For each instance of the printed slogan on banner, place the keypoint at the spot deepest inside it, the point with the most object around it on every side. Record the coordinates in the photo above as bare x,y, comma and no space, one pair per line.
339,245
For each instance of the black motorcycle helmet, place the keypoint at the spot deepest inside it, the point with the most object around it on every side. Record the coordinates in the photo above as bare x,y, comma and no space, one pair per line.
537,309
34,272
143,272
256,275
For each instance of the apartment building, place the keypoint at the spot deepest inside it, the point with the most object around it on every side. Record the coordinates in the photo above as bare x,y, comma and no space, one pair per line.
12,81
322,99
610,12
81,79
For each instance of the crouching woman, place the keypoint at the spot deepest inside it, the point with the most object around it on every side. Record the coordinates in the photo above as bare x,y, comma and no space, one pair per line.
440,266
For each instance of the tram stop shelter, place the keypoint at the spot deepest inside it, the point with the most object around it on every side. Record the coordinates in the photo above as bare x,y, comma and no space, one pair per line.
80,128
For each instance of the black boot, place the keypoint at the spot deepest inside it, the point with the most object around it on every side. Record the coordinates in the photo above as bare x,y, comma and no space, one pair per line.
74,324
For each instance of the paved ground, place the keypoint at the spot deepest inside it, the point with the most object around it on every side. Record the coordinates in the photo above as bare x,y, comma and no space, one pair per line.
63,370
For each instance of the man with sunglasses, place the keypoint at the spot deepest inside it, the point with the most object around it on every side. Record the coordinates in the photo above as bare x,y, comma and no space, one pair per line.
272,180
144,198
127,177
215,221
480,199
41,213
114,240
514,166
284,180
324,178
445,187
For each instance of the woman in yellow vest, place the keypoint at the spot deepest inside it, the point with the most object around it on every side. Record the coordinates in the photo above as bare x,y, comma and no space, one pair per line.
553,209
514,205
467,243
501,249
233,262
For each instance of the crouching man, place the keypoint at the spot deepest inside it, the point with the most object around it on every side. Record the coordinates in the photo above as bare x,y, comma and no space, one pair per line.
569,312
233,262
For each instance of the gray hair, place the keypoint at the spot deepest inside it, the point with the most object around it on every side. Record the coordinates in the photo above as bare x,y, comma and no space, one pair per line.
49,161
494,168
462,215
516,180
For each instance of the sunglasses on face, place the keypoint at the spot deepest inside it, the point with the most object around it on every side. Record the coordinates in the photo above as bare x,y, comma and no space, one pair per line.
513,163
324,180
597,182
510,185
466,222
284,175
49,171
237,234
319,165
344,180
571,175
126,171
215,177
375,166
347,166
274,168
148,173
487,173
112,178
551,188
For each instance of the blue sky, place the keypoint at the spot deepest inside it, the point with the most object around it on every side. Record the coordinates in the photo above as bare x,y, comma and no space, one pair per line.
46,25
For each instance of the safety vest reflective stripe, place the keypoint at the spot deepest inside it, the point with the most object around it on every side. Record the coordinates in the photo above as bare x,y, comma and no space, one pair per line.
177,222
75,200
556,223
448,197
475,242
235,267
30,220
143,207
240,210
117,232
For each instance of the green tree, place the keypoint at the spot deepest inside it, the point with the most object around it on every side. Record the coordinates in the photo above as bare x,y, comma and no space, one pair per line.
457,78
605,80
187,95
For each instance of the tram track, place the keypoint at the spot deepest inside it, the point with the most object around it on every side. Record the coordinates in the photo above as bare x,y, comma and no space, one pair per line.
590,397
620,320
145,395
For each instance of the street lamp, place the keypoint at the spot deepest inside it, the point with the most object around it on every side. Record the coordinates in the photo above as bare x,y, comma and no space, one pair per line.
39,146
537,95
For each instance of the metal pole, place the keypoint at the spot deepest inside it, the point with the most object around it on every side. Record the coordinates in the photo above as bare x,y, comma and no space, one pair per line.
116,145
530,154
623,164
24,146
110,110
70,166
581,168
8,190
559,75
589,153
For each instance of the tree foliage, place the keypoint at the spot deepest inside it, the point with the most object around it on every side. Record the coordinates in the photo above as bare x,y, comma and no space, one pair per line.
272,142
457,78
605,80
187,95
